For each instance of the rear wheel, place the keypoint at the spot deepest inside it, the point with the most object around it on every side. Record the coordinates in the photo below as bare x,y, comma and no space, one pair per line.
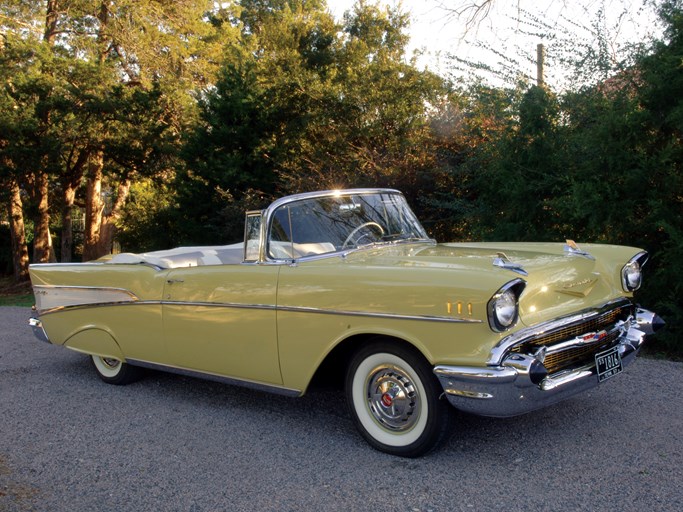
394,400
113,371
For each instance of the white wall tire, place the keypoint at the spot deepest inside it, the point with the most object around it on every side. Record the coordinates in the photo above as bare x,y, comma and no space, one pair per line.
113,371
394,400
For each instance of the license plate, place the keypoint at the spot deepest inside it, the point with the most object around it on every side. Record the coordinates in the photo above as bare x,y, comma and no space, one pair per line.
608,363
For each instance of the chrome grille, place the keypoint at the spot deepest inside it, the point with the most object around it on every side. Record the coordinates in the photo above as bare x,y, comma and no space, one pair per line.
572,356
579,354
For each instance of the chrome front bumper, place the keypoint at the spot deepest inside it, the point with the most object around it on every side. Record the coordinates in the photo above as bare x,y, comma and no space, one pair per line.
519,384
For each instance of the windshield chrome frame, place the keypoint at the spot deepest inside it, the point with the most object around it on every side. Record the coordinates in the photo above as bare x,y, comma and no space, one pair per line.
267,216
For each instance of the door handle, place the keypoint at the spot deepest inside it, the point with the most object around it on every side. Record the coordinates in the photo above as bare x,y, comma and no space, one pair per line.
171,281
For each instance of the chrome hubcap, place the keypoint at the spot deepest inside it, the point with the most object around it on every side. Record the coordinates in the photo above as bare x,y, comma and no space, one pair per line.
111,363
392,398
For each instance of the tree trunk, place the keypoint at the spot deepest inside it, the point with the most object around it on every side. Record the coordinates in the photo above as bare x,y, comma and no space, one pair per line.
108,228
93,243
51,15
100,228
16,221
94,207
67,223
42,241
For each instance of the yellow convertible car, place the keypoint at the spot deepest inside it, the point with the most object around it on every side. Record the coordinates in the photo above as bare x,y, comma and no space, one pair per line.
348,283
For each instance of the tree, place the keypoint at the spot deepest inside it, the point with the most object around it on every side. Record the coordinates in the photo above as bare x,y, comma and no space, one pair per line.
660,116
377,135
152,46
16,128
77,79
293,111
29,84
598,163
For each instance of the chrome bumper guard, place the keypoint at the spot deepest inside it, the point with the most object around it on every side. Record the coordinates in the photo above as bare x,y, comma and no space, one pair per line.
38,331
520,383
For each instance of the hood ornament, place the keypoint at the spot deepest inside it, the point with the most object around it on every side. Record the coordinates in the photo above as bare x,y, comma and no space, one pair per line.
571,248
503,261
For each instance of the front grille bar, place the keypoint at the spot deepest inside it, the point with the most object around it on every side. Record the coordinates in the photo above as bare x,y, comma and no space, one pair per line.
569,339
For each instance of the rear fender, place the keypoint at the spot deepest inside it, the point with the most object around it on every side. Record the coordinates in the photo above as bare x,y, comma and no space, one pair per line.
95,342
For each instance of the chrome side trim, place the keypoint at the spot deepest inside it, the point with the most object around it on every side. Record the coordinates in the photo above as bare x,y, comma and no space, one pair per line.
259,386
320,311
270,307
503,347
391,316
52,298
77,307
228,305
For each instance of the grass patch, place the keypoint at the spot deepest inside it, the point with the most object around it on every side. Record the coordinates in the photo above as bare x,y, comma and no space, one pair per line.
15,294
25,300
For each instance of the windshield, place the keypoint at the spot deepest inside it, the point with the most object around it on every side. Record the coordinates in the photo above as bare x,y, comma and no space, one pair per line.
339,222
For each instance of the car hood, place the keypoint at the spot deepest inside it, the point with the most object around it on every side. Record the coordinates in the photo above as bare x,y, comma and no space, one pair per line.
558,282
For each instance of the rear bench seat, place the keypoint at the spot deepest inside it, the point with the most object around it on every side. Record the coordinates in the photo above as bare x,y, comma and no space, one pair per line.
185,256
218,255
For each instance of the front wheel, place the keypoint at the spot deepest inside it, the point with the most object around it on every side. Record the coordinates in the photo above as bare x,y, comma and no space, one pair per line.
394,400
113,371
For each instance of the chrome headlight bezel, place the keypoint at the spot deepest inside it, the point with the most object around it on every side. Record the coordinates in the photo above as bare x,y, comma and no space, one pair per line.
503,307
631,273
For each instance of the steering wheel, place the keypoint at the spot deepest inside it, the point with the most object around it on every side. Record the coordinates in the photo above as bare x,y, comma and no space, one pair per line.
356,230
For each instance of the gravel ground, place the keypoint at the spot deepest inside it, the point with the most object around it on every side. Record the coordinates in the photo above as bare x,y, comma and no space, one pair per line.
69,442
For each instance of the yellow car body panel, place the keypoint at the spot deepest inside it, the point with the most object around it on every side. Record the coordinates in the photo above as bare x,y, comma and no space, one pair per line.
222,320
95,342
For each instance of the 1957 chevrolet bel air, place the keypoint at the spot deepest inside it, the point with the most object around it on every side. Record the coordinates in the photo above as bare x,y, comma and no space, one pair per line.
349,281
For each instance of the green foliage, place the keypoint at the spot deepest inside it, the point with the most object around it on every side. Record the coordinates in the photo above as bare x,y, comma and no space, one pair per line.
104,85
661,181
226,156
292,111
524,178
599,164
144,225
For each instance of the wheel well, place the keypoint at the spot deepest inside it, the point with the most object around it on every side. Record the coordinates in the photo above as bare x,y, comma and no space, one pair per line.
332,370
95,341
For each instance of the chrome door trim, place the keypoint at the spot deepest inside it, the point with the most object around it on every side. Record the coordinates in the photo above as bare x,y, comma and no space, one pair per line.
260,386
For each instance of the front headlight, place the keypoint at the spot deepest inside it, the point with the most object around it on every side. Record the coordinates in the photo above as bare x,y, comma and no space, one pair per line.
503,308
631,274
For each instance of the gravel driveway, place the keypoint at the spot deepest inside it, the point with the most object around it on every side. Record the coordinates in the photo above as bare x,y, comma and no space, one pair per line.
69,442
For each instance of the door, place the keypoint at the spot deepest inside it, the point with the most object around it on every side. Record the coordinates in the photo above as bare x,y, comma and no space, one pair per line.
221,320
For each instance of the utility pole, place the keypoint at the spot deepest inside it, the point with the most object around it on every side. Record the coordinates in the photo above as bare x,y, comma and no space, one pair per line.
540,62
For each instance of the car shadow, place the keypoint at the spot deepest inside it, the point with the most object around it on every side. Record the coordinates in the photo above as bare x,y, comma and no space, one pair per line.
494,440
